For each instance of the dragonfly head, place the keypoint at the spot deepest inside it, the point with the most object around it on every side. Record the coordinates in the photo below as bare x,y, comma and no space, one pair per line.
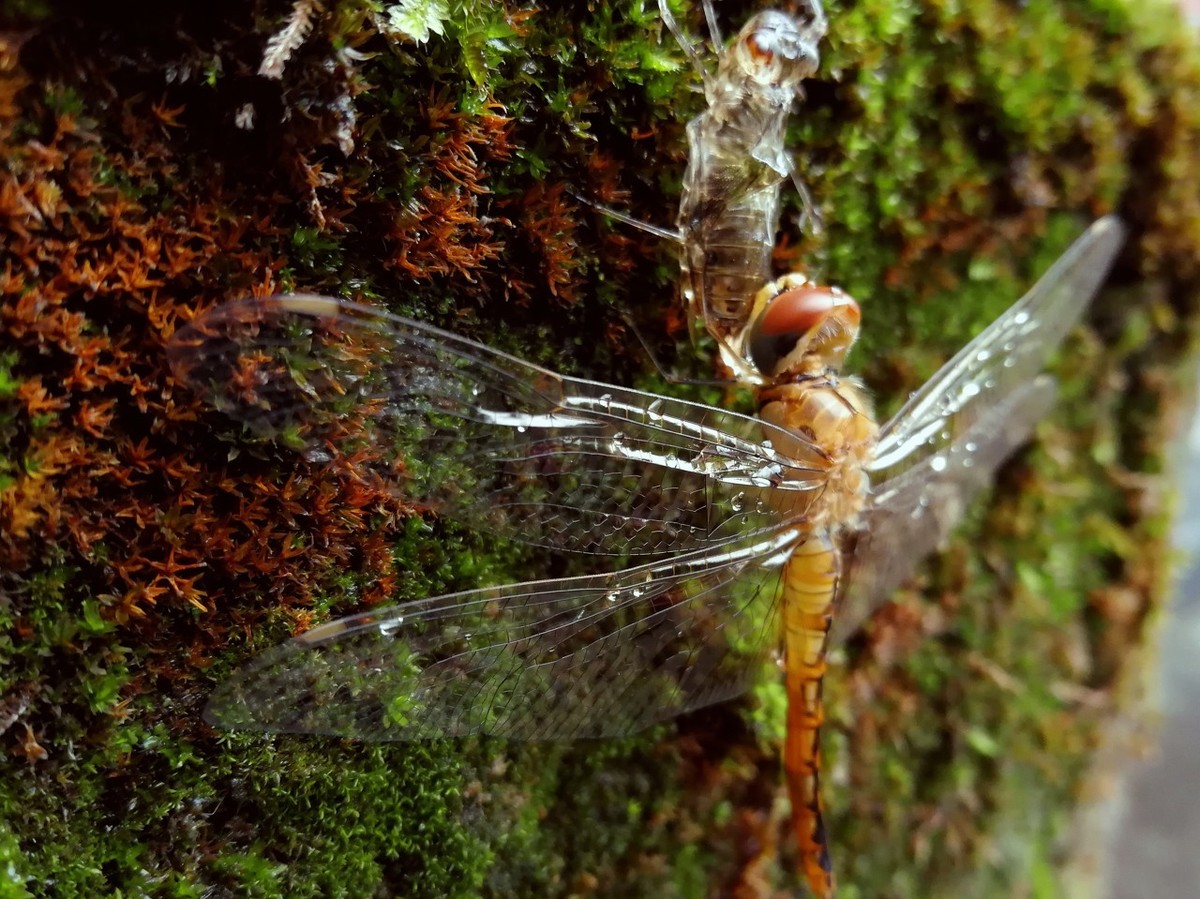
776,48
799,325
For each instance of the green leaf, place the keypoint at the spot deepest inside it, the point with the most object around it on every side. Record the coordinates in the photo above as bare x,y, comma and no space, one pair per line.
417,19
982,742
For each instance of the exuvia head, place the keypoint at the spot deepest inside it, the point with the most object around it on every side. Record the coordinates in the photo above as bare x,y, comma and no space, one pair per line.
801,327
776,48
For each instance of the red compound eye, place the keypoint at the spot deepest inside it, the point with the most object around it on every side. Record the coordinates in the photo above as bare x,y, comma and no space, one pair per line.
793,315
799,310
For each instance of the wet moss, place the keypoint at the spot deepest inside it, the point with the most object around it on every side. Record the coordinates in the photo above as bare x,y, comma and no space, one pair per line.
147,546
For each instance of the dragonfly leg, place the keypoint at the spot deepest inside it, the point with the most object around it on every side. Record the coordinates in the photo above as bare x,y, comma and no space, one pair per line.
714,29
685,43
658,366
626,219
811,215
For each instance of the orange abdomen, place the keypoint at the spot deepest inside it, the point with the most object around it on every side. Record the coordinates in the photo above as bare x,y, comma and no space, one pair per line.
809,589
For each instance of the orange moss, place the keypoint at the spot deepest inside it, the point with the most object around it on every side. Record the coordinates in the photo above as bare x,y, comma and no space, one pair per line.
131,473
442,232
550,225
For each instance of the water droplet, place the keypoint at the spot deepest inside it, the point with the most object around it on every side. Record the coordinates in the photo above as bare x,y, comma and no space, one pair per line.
1020,318
654,410
983,355
938,463
737,501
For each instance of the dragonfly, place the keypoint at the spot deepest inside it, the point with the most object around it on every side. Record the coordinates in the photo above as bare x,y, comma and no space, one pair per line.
734,538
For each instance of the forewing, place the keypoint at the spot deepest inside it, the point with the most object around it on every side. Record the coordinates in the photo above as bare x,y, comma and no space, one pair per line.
495,441
911,514
592,656
1003,358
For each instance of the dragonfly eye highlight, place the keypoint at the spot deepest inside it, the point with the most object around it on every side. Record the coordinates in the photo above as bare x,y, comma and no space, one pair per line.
799,320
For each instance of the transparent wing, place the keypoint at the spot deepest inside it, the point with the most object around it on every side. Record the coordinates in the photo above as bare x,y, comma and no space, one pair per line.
944,445
1003,358
592,656
911,514
497,442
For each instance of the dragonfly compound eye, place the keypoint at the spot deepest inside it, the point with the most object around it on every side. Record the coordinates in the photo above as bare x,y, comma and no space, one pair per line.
802,320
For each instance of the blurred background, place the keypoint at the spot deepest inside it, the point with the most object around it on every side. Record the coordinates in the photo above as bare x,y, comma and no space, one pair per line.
1155,813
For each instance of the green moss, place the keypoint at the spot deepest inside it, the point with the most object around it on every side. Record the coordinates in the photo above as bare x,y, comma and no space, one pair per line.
13,868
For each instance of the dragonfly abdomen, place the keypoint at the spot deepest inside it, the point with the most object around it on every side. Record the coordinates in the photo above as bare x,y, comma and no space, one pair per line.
729,209
726,262
809,588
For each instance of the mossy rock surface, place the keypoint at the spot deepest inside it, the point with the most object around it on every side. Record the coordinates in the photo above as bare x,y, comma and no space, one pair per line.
151,168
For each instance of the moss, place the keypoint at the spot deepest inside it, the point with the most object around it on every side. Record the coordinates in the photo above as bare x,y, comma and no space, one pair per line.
148,546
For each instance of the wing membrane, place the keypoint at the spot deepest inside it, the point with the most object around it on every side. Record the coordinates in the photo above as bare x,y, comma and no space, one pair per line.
593,656
498,442
1003,358
943,446
910,515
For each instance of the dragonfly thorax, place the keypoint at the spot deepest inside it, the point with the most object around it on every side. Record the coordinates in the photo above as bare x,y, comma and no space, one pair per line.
835,415
800,329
